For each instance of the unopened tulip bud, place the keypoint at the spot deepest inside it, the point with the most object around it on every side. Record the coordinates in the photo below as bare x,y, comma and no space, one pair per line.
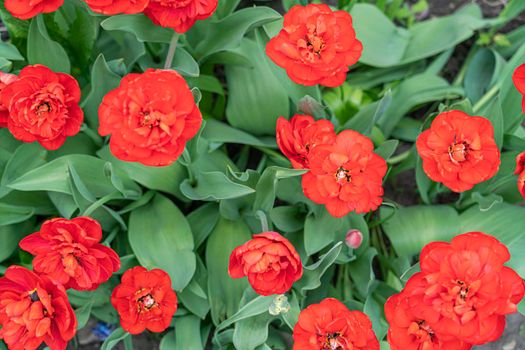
353,239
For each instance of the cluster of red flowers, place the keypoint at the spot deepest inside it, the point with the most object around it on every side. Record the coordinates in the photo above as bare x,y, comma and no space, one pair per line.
34,306
459,299
316,45
345,174
40,105
519,81
177,14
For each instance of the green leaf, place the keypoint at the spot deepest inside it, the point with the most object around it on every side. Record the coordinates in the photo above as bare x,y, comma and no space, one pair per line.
216,131
387,149
256,306
227,33
83,314
42,49
140,26
10,52
12,214
411,228
249,106
169,242
202,228
187,333
266,187
54,176
312,274
481,71
374,310
168,341
416,90
287,218
114,338
224,292
251,332
102,81
320,230
10,235
422,40
362,272
166,179
212,186
194,297
26,157
368,116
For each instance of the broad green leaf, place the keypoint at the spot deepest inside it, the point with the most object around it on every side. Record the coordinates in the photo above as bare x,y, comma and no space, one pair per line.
12,214
416,90
10,52
212,186
228,32
224,292
26,157
10,235
256,306
369,115
249,107
42,49
287,218
193,297
386,44
216,131
187,333
251,332
202,228
374,310
410,228
160,237
103,80
320,230
140,26
362,272
168,341
54,176
183,62
481,71
114,338
83,314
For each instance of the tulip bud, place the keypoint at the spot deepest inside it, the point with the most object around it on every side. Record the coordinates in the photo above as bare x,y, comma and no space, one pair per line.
353,239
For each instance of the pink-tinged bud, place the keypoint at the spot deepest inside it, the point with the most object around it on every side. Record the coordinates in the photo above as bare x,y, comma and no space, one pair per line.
353,239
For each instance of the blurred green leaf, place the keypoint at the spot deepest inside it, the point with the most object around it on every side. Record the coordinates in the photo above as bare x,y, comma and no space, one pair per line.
187,333
140,26
169,244
114,338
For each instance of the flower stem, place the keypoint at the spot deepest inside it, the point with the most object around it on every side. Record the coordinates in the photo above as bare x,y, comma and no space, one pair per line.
171,50
264,221
486,98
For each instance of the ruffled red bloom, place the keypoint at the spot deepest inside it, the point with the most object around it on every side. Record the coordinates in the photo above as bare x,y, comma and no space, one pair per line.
330,325
519,82
34,310
113,7
144,300
269,260
5,79
459,150
410,324
43,106
69,252
180,15
150,117
346,176
25,9
463,291
297,137
520,171
316,45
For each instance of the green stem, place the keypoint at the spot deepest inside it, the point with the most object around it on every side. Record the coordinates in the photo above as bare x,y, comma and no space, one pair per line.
171,50
486,98
399,158
263,219
111,237
128,342
97,139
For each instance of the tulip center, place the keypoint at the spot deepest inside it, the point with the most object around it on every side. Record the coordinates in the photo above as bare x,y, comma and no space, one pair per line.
312,44
147,301
33,295
458,152
42,108
342,175
333,341
153,119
